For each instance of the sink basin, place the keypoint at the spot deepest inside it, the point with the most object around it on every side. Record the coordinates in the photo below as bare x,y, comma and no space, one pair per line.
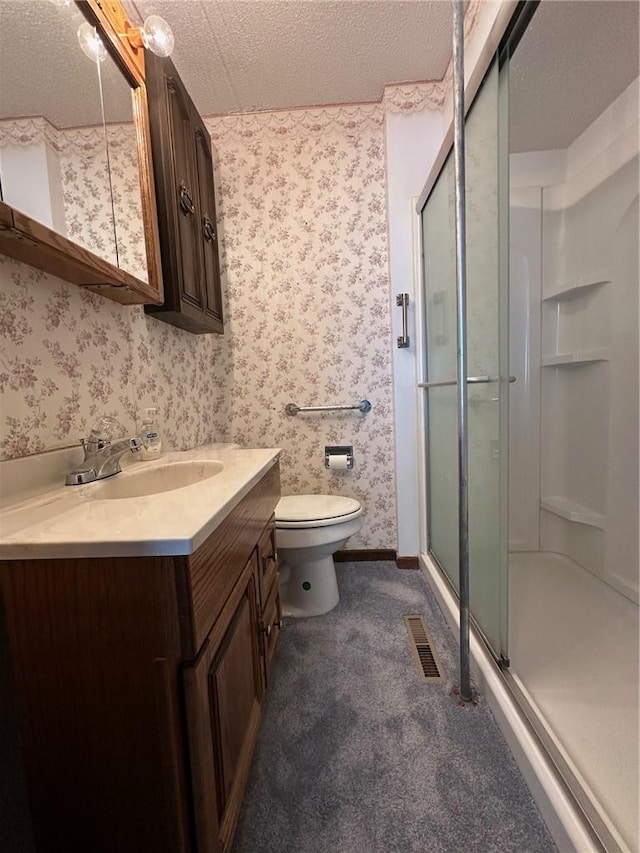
154,481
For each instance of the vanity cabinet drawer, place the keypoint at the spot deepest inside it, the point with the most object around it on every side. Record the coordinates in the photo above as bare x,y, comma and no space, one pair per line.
270,627
210,574
267,561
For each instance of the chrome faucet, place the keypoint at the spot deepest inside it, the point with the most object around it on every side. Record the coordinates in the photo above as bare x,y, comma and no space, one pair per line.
101,459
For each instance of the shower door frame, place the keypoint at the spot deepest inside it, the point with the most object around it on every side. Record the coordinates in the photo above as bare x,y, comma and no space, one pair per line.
498,58
521,15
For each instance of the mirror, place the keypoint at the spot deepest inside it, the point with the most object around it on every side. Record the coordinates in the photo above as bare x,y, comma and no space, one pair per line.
121,145
71,132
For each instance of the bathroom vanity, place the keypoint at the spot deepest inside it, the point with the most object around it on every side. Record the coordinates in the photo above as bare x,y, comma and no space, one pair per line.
140,663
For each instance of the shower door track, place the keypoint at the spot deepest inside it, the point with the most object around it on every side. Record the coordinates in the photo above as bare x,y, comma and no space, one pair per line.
602,835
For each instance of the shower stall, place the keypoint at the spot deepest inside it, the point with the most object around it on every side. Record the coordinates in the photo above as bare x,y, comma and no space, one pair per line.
552,338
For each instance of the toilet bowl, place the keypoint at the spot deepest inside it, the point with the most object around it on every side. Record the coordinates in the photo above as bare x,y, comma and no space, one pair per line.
309,530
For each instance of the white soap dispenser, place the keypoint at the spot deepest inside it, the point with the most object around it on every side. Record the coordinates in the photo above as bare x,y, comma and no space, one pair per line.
152,443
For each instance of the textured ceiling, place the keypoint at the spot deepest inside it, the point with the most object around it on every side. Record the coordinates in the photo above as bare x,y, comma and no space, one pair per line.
573,61
233,55
237,55
43,71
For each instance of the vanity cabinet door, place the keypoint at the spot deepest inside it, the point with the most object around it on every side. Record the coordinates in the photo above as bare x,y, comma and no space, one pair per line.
183,172
223,690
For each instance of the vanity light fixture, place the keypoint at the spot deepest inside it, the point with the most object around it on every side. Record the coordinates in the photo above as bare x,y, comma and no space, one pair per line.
155,34
91,43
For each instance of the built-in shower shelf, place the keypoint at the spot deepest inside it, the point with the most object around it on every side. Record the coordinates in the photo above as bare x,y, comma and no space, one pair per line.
577,287
572,511
569,358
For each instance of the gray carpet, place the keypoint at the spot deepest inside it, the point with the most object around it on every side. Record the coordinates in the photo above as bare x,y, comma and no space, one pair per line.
357,755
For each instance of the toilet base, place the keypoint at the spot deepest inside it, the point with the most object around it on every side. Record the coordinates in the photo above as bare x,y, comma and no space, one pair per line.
310,589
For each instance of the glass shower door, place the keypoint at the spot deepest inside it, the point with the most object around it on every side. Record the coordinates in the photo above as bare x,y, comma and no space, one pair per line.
439,277
487,347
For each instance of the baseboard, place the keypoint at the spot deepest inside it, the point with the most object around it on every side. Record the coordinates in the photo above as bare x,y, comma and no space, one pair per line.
408,562
361,555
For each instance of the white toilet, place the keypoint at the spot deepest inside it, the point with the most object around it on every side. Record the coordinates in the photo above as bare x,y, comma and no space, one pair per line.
309,530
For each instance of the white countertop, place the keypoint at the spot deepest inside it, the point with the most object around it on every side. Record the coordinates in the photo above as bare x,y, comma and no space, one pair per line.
68,521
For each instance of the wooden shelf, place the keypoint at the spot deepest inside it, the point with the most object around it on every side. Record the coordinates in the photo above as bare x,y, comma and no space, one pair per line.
578,287
575,358
573,511
27,240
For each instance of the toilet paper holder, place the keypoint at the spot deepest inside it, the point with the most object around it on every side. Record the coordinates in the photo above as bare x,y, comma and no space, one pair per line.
338,450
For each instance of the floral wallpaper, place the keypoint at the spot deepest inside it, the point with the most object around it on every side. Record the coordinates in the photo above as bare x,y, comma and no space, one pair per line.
68,356
403,99
304,250
303,203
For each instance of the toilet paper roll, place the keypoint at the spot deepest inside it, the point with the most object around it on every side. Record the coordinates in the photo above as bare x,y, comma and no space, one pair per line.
339,462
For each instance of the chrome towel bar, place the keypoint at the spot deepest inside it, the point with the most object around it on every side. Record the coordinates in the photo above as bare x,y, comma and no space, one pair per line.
364,406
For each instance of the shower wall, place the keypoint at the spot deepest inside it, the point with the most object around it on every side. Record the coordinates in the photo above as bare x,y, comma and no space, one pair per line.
525,271
574,348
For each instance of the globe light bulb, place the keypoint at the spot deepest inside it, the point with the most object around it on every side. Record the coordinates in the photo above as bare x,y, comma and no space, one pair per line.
157,35
91,43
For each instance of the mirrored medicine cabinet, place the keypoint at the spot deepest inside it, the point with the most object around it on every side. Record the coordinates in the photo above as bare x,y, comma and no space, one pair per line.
77,194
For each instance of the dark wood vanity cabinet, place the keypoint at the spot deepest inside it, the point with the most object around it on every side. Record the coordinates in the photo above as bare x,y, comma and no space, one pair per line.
139,683
183,168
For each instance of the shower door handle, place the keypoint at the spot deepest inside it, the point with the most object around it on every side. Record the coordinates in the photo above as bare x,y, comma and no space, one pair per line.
402,301
471,380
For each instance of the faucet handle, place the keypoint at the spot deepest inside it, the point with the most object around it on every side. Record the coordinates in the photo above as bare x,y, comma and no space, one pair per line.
93,444
104,431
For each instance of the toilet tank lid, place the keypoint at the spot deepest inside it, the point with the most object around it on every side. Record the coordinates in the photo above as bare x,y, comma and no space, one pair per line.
314,507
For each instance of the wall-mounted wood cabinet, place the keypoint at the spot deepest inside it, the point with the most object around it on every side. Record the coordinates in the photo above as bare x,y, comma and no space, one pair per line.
139,684
183,167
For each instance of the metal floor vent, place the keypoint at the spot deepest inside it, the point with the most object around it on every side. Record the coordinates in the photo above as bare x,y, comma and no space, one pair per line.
422,646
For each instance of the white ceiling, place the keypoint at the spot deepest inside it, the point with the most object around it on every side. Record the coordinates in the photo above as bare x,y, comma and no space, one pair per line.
573,61
236,55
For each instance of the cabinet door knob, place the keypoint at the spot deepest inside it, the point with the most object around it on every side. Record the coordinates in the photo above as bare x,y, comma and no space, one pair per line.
266,630
209,230
186,202
278,624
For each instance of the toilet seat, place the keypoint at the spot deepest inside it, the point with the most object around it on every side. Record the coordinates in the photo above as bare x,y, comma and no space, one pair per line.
308,511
